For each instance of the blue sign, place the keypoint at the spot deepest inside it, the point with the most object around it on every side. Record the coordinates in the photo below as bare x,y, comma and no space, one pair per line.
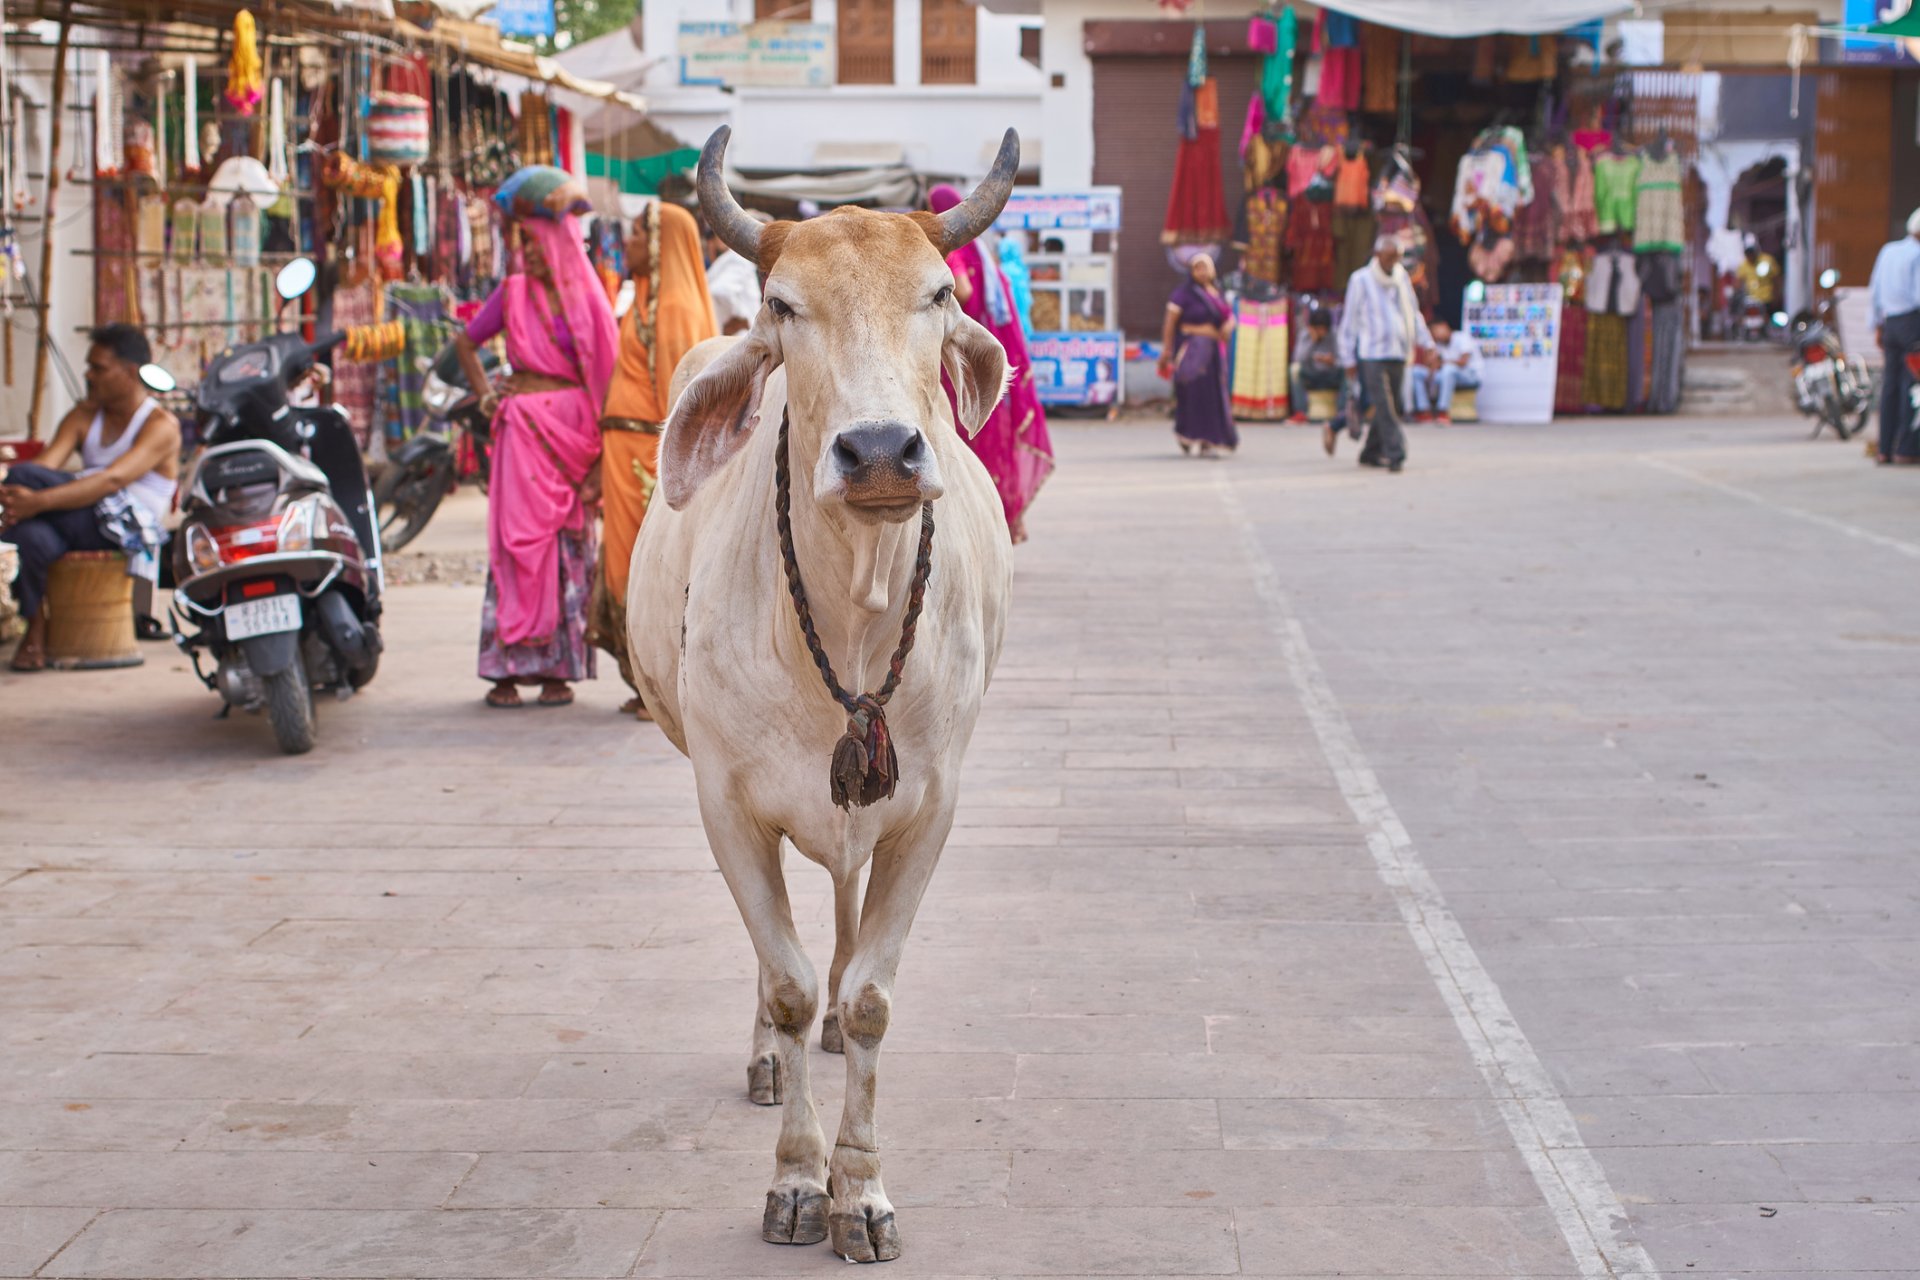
524,17
1861,13
1077,368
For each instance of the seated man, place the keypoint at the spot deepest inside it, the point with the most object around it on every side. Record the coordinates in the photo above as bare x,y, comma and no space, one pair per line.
129,449
1758,275
1316,364
1456,363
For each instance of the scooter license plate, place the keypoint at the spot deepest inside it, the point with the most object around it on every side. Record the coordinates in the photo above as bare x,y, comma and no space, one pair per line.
247,618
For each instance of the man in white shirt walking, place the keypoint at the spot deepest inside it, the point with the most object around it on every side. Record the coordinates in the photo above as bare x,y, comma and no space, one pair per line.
1381,328
1893,303
1456,363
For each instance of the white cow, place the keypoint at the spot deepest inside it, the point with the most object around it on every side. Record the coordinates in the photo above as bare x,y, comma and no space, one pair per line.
848,348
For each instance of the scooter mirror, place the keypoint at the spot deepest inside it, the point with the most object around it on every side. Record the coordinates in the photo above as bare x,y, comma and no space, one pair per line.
295,278
157,379
1829,278
1780,319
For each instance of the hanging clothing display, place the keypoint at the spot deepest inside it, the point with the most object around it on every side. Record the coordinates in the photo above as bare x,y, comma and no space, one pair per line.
1351,181
1614,194
1659,225
1536,225
1669,353
1306,163
1379,68
1530,59
1353,235
1397,213
1197,203
1260,360
1494,179
1612,297
1577,218
1490,256
1310,246
1276,69
1337,41
1266,223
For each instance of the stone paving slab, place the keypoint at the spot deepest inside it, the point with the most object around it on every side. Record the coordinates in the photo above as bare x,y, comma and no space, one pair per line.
461,995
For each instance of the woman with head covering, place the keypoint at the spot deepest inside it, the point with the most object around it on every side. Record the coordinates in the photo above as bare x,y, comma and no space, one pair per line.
1013,442
671,311
1193,353
544,481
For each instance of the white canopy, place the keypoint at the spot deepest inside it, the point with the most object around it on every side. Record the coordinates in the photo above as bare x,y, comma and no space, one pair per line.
1479,17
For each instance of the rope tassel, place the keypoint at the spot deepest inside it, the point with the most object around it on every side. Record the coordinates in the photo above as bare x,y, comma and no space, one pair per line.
865,766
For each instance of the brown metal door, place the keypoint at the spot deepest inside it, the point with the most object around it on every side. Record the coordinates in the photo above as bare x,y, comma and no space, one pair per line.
1852,149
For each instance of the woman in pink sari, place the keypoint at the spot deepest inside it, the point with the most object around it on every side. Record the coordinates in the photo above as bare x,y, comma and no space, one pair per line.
1013,442
544,484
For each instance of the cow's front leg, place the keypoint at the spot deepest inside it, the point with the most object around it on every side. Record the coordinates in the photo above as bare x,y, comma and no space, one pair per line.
763,1058
862,1219
749,858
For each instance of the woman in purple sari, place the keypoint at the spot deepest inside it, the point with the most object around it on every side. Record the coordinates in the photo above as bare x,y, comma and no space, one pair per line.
1193,352
1013,442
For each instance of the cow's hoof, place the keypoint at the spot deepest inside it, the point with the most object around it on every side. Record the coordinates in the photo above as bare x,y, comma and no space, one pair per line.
795,1215
830,1039
866,1233
763,1080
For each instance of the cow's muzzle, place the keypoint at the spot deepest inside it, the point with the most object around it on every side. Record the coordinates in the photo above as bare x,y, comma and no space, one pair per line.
884,469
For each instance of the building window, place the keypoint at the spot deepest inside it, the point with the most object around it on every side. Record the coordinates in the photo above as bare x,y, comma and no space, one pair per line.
783,10
866,41
946,42
1030,45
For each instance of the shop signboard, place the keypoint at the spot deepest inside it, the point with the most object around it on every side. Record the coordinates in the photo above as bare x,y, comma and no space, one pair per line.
1518,329
765,55
1033,209
1077,368
1861,13
524,17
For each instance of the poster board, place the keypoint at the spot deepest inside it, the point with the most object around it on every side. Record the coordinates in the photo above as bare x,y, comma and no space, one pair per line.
1518,329
768,55
1082,369
1038,209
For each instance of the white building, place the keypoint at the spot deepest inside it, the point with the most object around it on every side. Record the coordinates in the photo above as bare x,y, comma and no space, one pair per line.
929,84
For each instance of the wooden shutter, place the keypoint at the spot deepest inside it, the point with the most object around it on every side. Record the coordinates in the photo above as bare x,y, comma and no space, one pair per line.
783,10
1852,151
866,41
946,42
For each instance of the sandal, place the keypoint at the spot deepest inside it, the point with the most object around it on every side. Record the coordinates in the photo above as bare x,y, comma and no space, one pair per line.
555,693
28,657
504,697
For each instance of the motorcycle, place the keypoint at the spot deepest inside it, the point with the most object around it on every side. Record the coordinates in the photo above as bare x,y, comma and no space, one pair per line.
1828,387
277,560
421,472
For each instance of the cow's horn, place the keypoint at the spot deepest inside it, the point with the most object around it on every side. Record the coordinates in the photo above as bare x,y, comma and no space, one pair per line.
966,220
729,221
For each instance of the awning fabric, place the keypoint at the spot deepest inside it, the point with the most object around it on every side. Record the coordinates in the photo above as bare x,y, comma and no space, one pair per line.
892,185
641,177
1479,17
1907,24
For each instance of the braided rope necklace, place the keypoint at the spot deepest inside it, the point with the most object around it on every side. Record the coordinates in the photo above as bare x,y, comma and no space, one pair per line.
865,766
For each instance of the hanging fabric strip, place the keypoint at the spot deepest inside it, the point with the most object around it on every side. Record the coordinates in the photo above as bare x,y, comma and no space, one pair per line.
160,129
190,128
103,142
277,167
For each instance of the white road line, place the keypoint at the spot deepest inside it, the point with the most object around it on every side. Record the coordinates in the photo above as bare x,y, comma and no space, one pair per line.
1589,1215
1759,500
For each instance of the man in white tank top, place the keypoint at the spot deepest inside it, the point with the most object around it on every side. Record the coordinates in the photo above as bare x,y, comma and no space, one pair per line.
126,442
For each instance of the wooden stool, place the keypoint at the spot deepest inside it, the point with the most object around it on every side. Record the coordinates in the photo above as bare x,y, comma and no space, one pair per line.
89,606
1466,405
1322,404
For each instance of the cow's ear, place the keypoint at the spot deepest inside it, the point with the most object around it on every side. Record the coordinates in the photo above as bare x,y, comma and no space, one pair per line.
714,416
976,365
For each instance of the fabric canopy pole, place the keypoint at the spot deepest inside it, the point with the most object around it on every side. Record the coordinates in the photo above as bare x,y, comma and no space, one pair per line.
1479,17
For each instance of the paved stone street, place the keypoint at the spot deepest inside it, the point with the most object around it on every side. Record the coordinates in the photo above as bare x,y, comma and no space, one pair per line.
1506,868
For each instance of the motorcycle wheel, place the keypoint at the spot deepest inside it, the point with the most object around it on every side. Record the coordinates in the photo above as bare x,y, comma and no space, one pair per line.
406,498
290,709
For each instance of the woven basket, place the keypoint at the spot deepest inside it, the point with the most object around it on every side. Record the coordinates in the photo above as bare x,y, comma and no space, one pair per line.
89,608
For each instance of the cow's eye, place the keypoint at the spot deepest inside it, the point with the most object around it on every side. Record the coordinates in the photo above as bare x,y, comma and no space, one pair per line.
943,295
781,311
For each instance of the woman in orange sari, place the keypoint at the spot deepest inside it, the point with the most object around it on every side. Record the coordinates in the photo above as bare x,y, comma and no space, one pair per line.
671,312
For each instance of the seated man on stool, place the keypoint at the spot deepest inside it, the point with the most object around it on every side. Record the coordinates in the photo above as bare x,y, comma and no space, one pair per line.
1316,363
1456,364
129,449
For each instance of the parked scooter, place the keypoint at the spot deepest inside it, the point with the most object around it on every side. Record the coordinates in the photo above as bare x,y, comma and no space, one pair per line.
421,472
1828,387
277,559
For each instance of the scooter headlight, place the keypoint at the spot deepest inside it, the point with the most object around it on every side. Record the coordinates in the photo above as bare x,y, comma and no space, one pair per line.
296,526
440,397
203,553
